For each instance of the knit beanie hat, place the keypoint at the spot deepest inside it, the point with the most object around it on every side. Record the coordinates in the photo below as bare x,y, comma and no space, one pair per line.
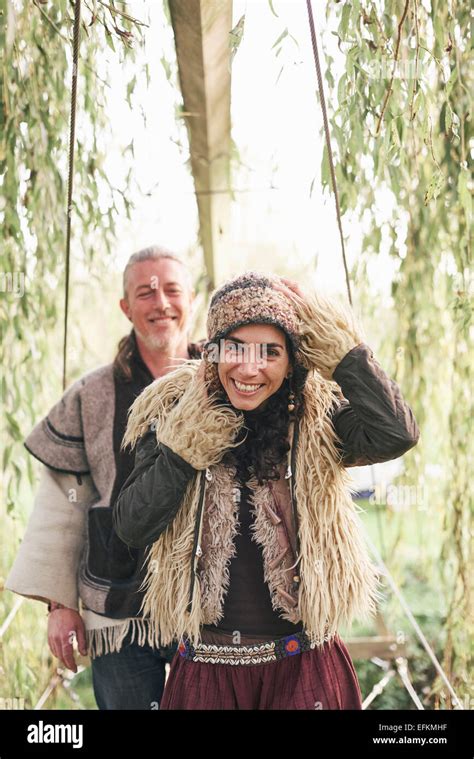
249,298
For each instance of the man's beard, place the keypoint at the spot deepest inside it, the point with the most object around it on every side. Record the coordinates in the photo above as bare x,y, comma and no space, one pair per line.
157,342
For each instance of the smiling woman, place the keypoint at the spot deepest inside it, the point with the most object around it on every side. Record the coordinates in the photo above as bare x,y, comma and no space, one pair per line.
260,366
256,554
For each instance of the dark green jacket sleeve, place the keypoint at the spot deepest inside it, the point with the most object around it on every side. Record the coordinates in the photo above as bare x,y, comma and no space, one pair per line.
150,498
374,422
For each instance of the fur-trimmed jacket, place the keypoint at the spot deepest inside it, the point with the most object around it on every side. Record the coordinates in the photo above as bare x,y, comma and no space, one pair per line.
181,499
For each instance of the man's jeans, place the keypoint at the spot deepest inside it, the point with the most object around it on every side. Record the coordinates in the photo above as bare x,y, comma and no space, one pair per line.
132,678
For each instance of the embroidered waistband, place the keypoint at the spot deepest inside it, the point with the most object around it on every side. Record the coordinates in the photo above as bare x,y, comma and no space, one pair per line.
260,653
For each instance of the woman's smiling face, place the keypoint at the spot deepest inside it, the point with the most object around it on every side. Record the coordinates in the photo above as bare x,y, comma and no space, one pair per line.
253,364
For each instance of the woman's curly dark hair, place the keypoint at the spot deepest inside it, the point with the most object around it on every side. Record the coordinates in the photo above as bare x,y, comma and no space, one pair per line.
265,433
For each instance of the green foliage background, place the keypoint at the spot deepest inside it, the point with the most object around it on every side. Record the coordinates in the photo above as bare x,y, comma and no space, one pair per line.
401,124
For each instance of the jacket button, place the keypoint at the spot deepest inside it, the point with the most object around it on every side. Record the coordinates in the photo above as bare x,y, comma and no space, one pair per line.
208,474
199,551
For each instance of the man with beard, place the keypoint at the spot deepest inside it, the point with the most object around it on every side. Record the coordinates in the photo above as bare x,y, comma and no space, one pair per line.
70,557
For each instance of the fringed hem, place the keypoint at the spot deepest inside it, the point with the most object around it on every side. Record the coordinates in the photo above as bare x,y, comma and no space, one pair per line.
108,640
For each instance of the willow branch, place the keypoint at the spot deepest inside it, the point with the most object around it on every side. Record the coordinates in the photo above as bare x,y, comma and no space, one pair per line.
395,61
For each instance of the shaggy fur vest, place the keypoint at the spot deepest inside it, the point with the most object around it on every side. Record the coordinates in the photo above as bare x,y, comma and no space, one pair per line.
316,563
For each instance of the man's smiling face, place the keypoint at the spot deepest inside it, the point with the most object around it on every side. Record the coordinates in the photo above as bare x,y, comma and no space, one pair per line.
158,302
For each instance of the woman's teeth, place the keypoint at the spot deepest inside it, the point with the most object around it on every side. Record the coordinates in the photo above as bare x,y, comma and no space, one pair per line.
246,388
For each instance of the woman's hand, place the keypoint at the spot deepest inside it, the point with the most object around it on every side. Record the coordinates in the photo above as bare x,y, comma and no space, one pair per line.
289,288
329,329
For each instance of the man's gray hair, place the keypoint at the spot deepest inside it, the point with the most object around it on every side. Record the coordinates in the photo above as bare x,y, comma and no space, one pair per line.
153,253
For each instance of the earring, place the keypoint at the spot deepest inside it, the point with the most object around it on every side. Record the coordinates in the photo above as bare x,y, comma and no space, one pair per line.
291,397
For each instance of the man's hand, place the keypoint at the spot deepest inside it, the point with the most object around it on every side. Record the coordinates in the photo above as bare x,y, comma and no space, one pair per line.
65,625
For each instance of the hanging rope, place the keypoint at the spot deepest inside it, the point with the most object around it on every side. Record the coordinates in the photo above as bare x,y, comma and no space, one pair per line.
72,133
11,616
328,143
